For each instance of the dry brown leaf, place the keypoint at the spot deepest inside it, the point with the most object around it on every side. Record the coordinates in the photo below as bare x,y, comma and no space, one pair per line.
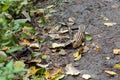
52,74
97,48
25,42
58,45
116,51
38,11
108,24
5,48
110,72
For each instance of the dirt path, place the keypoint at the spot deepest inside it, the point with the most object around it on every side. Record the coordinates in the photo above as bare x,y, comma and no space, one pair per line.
92,13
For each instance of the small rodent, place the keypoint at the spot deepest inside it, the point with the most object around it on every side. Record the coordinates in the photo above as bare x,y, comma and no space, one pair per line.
79,37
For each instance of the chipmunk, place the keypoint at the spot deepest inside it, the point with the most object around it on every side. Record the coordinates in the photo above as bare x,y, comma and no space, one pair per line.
79,37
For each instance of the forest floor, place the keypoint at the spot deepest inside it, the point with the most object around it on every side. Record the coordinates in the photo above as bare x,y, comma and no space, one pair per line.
94,14
37,40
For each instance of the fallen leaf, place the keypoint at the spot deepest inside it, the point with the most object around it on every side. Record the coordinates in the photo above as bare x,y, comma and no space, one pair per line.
86,76
26,14
97,48
62,52
58,45
110,72
63,31
32,70
34,45
44,56
54,36
47,17
43,65
58,77
50,6
116,5
88,36
25,42
55,74
19,64
71,19
116,51
86,49
38,11
117,66
104,18
107,58
35,61
5,48
70,70
108,24
77,56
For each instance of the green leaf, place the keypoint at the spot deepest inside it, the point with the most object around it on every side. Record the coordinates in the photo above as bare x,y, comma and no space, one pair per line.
24,35
59,77
5,8
14,49
3,56
2,77
44,56
6,43
9,67
88,37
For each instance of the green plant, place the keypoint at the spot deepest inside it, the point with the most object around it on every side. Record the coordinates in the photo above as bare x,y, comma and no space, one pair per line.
9,71
9,25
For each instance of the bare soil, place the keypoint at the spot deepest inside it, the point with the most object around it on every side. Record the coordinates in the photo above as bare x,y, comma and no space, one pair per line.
91,13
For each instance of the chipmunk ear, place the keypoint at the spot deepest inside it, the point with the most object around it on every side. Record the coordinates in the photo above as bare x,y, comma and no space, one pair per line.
82,28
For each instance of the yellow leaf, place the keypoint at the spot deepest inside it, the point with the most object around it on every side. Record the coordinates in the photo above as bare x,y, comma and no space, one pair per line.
25,42
51,74
117,66
116,51
32,70
110,72
77,56
108,24
19,64
5,48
